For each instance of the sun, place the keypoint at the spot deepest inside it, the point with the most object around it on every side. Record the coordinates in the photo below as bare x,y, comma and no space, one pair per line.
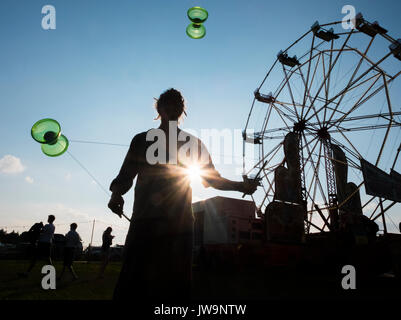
194,173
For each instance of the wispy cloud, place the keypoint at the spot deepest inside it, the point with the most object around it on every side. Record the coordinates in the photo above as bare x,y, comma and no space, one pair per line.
29,179
11,165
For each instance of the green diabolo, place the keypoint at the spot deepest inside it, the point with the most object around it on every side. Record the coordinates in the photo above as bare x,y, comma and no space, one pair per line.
48,133
198,16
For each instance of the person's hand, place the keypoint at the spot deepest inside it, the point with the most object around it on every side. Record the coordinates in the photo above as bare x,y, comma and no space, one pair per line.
249,186
116,204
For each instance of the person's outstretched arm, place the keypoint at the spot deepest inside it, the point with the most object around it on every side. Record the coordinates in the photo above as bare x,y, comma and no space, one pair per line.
220,183
211,177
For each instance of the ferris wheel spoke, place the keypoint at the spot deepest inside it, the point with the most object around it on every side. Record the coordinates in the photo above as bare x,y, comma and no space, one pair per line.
249,115
306,83
268,73
336,110
288,109
267,192
356,80
282,114
313,149
290,91
364,128
316,182
325,220
376,77
383,211
283,83
272,155
356,154
311,83
360,101
345,89
307,94
308,74
267,118
389,125
354,74
384,116
350,195
374,211
314,189
351,152
315,137
331,68
350,163
371,62
308,190
271,184
285,80
315,226
317,97
326,85
314,168
327,78
264,157
264,134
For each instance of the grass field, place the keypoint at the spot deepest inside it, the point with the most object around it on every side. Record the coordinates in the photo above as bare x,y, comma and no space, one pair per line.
87,287
248,285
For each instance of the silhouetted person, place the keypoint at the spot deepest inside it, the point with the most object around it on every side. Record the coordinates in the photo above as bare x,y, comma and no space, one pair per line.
34,233
72,241
43,248
107,240
158,249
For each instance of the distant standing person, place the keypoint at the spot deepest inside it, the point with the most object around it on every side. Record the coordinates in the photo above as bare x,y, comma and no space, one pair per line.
34,233
72,241
43,249
107,240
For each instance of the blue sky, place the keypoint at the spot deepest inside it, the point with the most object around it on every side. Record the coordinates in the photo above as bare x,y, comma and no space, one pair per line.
98,72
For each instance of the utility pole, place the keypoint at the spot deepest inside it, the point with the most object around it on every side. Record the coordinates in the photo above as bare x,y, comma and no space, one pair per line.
93,228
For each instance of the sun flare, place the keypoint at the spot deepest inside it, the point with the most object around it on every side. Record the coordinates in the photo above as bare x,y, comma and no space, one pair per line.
194,173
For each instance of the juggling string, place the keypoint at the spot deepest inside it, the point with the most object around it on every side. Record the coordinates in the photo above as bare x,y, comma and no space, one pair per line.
48,133
94,179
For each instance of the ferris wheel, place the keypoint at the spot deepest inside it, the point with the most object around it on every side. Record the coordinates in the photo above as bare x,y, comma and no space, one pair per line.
326,122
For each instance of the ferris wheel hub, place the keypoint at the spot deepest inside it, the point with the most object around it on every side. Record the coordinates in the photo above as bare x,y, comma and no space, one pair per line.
300,126
323,134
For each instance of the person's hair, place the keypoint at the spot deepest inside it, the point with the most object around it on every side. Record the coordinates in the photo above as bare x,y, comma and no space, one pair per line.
108,230
73,226
51,218
172,102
